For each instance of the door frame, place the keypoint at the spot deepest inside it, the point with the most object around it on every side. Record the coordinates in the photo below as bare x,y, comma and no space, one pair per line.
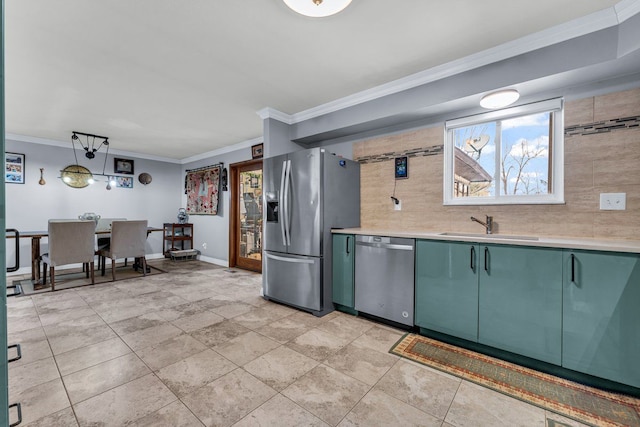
234,222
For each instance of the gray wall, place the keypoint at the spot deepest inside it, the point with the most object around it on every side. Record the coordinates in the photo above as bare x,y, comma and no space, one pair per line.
29,206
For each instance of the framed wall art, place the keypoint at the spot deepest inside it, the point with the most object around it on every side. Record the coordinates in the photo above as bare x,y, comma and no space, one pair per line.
202,189
122,181
124,166
14,168
256,151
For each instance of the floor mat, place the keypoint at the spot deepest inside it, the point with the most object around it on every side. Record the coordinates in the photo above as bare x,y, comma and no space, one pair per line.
577,401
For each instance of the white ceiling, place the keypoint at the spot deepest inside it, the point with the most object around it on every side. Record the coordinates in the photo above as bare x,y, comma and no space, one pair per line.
178,79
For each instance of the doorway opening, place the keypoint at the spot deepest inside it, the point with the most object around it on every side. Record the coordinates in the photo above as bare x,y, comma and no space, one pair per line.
245,236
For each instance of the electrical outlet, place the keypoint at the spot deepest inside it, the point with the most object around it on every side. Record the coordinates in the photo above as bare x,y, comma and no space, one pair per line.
613,201
397,206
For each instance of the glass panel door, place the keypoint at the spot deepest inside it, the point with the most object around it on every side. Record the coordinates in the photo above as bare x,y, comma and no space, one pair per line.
249,217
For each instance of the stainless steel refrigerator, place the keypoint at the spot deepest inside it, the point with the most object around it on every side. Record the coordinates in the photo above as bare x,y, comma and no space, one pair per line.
306,194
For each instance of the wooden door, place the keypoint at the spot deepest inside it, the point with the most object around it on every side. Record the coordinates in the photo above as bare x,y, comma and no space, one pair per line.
245,245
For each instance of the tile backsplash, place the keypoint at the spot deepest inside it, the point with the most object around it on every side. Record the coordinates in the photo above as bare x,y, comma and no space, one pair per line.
602,155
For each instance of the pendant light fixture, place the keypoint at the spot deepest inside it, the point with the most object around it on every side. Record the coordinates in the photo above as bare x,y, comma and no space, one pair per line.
499,99
317,8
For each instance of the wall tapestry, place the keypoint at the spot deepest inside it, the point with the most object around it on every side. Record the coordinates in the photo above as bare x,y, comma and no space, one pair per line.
202,189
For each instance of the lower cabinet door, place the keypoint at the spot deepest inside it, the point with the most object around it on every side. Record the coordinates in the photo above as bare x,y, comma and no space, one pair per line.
342,256
601,316
447,288
520,296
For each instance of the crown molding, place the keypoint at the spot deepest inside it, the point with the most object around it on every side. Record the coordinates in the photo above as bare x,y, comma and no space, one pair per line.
67,145
272,113
228,149
578,27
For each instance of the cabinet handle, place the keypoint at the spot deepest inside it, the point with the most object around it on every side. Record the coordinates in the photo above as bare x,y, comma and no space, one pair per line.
473,256
486,257
348,237
19,353
573,268
18,407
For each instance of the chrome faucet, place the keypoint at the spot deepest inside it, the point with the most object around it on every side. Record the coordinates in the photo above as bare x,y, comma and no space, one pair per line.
487,225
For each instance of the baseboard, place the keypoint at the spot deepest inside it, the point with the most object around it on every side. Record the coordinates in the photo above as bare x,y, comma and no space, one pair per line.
216,261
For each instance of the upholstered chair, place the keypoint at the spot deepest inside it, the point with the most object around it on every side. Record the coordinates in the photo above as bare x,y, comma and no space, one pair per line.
128,240
70,242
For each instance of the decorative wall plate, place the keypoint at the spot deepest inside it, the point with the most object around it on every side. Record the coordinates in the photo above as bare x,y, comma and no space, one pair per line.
76,176
144,178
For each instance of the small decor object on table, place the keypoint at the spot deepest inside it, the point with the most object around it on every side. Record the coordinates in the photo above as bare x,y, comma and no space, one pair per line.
183,217
89,216
14,168
256,151
124,166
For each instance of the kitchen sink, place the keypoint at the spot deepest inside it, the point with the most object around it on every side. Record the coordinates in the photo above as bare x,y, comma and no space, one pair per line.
489,236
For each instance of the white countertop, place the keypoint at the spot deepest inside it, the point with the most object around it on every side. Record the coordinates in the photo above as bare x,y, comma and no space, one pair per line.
630,246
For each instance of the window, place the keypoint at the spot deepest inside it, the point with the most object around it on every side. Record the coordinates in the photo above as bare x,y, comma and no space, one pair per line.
510,156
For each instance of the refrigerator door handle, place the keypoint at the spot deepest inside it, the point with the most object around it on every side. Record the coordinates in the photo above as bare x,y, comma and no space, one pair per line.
281,201
287,184
293,260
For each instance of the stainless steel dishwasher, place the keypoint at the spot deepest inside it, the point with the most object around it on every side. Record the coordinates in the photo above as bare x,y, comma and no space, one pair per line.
384,277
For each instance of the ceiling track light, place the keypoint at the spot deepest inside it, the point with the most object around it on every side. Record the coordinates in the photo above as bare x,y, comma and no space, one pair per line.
317,8
499,99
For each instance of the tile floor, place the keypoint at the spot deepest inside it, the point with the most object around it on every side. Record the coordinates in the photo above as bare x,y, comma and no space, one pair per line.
198,346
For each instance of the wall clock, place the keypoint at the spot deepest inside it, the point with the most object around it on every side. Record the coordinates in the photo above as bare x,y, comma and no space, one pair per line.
76,176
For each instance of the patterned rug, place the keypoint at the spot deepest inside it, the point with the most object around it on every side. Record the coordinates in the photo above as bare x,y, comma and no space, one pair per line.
585,404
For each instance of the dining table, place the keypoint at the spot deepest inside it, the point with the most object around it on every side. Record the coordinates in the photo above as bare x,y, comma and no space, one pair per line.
36,237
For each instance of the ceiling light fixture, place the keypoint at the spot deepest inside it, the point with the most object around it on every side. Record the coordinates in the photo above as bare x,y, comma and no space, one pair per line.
317,8
499,99
77,176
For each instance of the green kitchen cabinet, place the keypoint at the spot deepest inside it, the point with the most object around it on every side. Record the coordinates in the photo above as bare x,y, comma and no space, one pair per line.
343,269
601,315
446,294
520,300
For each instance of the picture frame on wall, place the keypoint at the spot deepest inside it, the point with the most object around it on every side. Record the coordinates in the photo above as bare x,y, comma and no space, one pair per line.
257,151
14,168
122,181
124,166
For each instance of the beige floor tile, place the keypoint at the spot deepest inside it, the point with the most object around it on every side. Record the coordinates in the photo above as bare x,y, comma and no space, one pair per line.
189,374
89,382
245,348
361,363
170,351
151,336
81,358
280,367
124,404
326,393
197,321
134,324
22,323
317,344
31,375
70,326
228,399
380,409
173,313
219,333
284,330
40,401
346,326
257,318
474,405
67,314
173,415
31,351
64,418
282,412
80,338
422,388
229,311
379,339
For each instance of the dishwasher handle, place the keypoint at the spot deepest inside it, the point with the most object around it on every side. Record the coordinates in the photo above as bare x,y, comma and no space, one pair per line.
386,246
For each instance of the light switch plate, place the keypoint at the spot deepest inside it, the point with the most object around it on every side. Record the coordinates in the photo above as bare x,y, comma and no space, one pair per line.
613,201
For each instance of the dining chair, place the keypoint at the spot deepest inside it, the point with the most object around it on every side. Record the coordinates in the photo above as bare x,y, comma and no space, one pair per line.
128,240
70,242
103,240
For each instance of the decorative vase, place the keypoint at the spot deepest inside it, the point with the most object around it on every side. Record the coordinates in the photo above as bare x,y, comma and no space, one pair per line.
183,217
89,216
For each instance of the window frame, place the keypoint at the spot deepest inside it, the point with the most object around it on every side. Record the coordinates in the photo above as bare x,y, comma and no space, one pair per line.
556,195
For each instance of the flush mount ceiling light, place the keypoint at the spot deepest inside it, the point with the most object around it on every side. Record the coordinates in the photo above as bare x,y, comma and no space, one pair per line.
499,99
317,8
